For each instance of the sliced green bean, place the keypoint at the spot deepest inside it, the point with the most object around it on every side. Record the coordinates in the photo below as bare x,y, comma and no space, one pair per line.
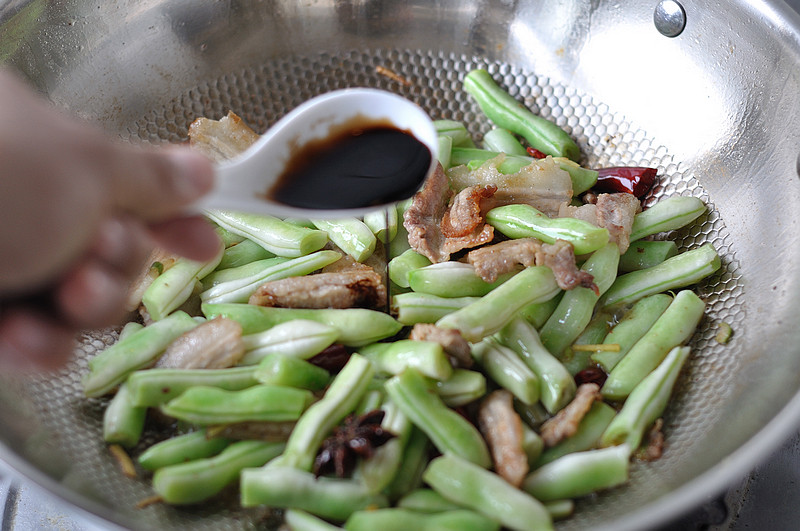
493,311
123,422
182,449
278,369
356,326
463,386
204,405
299,338
292,488
251,269
644,254
396,519
382,223
452,279
373,399
342,397
578,474
675,326
670,213
538,313
412,308
400,243
415,459
129,328
351,235
503,141
425,500
679,271
428,357
560,509
175,285
646,403
240,289
445,144
378,471
532,444
463,482
153,387
587,436
298,520
524,221
582,178
416,396
242,253
228,238
507,369
199,480
274,235
630,329
506,112
405,263
578,356
138,350
454,130
556,385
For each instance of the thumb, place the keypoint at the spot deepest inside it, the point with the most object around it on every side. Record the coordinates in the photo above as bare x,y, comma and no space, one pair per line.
157,184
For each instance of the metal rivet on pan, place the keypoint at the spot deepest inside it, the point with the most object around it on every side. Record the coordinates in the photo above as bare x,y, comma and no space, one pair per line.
669,18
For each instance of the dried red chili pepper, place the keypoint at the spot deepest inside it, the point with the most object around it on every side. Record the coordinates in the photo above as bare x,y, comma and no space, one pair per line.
631,179
535,153
591,375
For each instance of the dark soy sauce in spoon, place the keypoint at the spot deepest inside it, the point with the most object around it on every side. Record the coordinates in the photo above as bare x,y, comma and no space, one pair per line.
361,163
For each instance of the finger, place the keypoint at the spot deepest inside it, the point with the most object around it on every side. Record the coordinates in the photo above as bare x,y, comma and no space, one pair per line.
30,341
192,237
157,184
123,244
92,295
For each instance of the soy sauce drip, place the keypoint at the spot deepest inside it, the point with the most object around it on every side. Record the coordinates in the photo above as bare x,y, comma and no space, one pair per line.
360,164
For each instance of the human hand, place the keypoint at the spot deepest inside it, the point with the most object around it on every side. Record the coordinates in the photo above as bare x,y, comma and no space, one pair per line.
79,214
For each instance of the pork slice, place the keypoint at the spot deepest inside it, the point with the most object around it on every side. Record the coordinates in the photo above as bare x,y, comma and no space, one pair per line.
453,343
355,288
223,139
565,423
501,426
215,344
615,212
560,257
464,215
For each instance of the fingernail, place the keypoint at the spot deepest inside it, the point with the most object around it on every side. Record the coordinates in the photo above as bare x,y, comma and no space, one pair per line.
194,174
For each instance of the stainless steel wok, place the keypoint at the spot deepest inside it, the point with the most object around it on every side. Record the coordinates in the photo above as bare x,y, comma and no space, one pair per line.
715,108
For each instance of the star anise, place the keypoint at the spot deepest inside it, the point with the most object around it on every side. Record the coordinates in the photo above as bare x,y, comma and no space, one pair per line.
357,437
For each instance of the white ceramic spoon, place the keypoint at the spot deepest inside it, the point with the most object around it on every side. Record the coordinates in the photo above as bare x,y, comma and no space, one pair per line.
242,183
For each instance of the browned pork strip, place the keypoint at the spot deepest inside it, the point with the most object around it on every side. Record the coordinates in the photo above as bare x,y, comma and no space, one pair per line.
464,215
494,260
565,423
223,139
357,288
451,340
502,429
215,344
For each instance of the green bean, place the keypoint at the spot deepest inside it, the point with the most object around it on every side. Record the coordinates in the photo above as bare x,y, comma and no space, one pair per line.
274,235
175,285
112,366
450,432
356,326
506,112
396,519
298,520
507,369
425,500
412,308
494,310
228,238
206,405
415,459
445,144
503,141
630,329
452,279
373,399
668,214
382,223
278,369
556,385
251,269
532,444
582,178
538,313
300,338
182,449
342,397
351,235
579,473
153,387
403,264
575,310
524,221
679,271
588,434
129,328
291,488
240,289
243,253
428,357
400,243
123,422
378,471
675,326
454,130
646,402
199,480
463,386
578,356
463,482
644,254
560,509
